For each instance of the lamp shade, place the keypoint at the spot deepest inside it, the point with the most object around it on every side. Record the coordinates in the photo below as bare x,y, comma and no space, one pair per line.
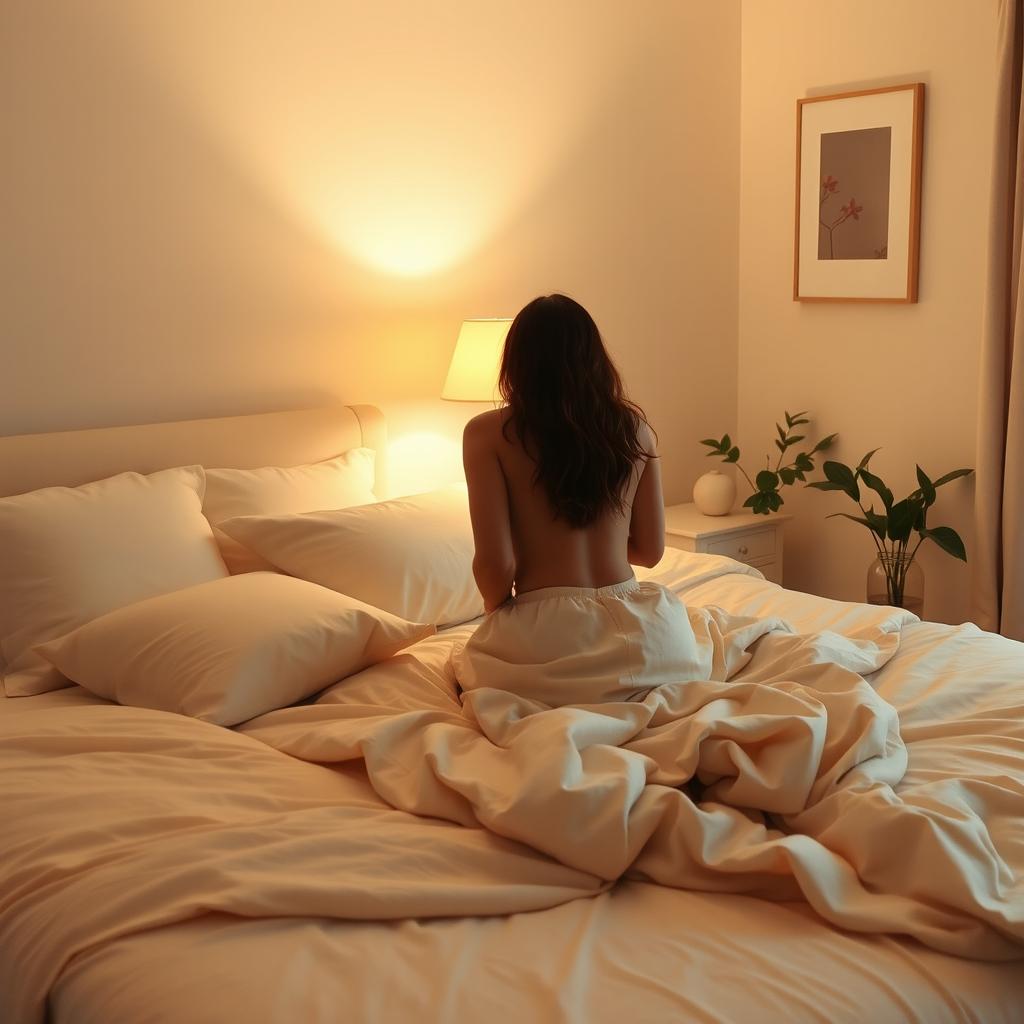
473,373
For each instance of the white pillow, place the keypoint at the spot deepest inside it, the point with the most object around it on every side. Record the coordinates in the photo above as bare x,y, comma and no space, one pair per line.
231,649
411,556
71,554
272,491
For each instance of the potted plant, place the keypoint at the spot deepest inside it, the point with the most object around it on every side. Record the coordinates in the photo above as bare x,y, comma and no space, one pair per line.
894,578
766,485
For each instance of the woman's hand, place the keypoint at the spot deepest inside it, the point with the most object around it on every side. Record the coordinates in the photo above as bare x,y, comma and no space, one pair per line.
500,604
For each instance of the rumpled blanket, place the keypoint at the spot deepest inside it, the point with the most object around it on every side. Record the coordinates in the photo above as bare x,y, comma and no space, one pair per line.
769,774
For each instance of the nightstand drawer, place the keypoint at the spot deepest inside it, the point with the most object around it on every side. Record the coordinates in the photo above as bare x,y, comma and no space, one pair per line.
756,540
745,547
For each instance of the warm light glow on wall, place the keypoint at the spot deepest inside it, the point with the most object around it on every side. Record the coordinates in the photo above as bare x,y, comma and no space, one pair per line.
404,227
473,372
423,461
398,133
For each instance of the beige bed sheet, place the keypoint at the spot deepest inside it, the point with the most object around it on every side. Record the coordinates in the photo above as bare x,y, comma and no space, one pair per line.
641,954
636,952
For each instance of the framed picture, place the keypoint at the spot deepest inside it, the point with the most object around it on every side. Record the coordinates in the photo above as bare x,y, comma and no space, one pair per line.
858,195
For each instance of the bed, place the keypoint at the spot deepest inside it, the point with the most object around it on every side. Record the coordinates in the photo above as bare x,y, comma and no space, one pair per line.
161,868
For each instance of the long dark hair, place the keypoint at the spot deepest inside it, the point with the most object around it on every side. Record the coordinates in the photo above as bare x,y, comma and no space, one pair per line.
569,410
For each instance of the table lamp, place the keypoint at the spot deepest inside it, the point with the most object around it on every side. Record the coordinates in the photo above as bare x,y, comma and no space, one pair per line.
473,372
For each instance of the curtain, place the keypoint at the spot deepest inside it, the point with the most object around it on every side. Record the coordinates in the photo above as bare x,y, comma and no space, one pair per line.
997,582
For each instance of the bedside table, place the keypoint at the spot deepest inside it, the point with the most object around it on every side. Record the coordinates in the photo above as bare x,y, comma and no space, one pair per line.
756,540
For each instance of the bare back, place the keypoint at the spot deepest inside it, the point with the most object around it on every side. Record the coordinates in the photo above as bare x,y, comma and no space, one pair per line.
519,539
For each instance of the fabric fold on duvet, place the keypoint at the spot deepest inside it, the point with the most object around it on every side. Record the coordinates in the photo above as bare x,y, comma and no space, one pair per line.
775,773
770,773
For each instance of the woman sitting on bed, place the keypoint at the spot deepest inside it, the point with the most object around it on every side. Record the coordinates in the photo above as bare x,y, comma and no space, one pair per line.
565,494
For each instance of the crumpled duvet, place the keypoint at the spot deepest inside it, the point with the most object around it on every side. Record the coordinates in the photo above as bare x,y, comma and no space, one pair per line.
773,775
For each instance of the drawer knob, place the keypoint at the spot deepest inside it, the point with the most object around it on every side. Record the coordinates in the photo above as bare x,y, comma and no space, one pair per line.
743,549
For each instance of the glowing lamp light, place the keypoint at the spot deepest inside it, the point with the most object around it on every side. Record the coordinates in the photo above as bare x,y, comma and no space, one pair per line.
473,373
423,461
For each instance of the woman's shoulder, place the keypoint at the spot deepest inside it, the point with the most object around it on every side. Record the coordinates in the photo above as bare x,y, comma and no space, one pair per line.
646,436
486,428
487,424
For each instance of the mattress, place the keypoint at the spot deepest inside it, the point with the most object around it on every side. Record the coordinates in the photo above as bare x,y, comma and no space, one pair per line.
628,951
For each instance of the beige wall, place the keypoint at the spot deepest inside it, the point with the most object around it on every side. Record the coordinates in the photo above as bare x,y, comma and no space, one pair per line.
228,206
233,206
900,377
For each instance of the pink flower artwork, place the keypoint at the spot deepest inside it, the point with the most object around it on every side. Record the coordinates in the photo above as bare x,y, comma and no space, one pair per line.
829,186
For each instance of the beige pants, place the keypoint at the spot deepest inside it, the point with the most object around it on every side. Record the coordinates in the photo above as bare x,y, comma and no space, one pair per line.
580,645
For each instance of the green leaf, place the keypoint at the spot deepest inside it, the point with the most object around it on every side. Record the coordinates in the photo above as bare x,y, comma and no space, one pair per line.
804,462
766,480
710,442
733,455
876,484
788,474
878,523
901,520
825,442
949,540
844,476
826,485
846,515
955,475
759,503
867,458
726,442
873,521
780,445
795,440
774,501
762,504
782,433
927,487
789,419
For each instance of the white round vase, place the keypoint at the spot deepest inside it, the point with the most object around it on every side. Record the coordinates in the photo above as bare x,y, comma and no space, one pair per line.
714,493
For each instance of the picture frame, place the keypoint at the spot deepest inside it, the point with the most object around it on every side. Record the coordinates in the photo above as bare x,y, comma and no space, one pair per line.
858,195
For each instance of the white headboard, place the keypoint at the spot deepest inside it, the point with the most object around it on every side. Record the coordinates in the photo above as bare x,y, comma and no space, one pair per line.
73,457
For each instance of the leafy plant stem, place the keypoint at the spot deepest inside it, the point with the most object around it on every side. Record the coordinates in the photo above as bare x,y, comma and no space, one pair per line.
905,563
892,529
766,485
874,537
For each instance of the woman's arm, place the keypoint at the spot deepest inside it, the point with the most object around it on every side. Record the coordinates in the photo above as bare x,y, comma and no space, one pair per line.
494,564
647,522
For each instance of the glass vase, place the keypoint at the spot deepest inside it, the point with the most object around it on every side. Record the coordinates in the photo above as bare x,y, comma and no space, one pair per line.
897,581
